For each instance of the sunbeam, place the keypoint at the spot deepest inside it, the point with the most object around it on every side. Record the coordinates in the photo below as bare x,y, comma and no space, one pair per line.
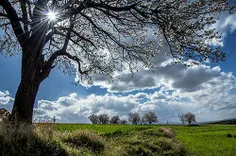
52,16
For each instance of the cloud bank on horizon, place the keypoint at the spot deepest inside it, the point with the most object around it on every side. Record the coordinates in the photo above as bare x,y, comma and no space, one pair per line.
169,90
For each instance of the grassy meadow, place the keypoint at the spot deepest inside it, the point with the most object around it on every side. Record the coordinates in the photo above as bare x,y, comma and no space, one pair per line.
117,140
209,140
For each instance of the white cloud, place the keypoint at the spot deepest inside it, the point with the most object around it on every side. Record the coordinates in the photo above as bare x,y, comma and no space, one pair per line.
174,76
213,99
6,101
205,91
225,25
217,101
71,110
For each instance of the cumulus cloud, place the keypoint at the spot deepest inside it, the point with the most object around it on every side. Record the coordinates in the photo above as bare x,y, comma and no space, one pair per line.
213,99
6,101
174,76
225,25
70,109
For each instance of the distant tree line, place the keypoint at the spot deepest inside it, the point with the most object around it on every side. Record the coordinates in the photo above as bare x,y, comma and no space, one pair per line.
104,119
134,118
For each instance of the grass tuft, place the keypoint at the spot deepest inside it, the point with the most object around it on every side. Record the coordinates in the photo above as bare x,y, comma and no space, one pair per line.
24,140
85,139
168,132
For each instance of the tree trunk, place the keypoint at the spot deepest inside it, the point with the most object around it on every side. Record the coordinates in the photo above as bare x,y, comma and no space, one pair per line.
24,101
27,91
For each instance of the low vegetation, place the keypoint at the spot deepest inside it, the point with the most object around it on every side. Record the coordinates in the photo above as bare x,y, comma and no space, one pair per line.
62,140
126,140
25,140
203,140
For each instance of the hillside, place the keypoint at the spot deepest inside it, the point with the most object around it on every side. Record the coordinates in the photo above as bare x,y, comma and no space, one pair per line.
225,121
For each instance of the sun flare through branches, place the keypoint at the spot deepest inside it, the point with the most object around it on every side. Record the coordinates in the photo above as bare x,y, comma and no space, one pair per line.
52,16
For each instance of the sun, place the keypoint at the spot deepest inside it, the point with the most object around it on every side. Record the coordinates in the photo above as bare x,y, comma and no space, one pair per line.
52,16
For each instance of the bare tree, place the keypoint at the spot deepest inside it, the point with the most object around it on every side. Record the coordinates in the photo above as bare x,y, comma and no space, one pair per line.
150,117
181,118
123,122
103,119
115,120
100,36
134,118
93,118
189,117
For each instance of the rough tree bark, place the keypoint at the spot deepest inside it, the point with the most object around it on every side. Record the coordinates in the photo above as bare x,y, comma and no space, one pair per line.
31,78
24,101
34,68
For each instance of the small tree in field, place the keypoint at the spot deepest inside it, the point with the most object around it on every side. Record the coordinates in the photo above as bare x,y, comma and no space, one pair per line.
134,118
181,118
101,36
189,117
115,120
93,118
150,117
103,119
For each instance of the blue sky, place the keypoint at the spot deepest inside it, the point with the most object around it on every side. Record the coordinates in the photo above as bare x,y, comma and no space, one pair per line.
208,90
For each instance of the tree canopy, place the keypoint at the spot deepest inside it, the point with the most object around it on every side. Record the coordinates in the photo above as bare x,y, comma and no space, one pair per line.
189,117
102,35
134,118
150,117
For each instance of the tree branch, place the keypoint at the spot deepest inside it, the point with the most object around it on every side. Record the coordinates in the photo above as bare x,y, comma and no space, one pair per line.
4,15
15,22
25,15
111,8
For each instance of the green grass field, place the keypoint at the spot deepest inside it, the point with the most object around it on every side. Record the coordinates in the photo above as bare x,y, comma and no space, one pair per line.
205,140
117,140
211,140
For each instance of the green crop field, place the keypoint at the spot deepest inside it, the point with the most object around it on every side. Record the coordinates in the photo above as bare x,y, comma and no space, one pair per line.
212,140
